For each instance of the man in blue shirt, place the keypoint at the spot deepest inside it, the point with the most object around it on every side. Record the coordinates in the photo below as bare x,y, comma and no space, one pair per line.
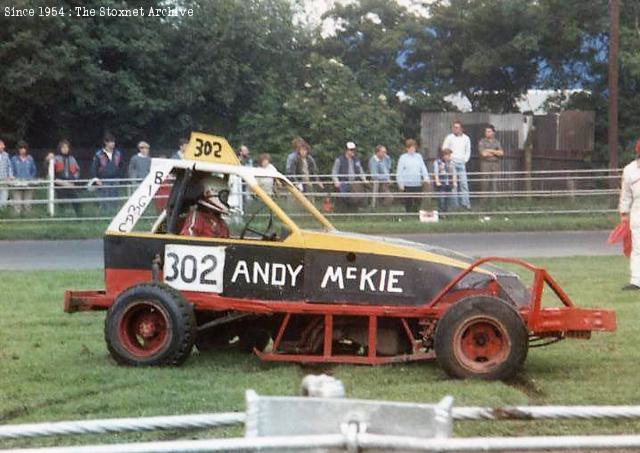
380,171
24,170
411,175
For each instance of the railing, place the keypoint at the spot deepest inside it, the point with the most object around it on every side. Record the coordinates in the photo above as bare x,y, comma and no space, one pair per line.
323,420
546,192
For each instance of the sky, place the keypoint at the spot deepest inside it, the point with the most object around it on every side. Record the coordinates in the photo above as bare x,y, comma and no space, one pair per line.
311,11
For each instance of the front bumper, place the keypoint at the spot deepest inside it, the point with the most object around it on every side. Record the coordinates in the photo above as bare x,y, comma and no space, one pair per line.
86,301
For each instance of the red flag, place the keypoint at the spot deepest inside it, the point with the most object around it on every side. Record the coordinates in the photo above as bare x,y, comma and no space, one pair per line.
622,232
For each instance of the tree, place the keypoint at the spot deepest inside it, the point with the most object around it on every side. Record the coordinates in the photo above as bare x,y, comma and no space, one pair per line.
155,78
328,108
493,51
225,56
79,76
370,38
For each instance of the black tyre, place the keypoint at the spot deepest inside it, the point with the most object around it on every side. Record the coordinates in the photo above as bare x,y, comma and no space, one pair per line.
481,337
150,324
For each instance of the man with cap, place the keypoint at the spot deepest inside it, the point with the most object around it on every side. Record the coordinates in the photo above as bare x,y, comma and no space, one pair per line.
140,164
629,208
346,173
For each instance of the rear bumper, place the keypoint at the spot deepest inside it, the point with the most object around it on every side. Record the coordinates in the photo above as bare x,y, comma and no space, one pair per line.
571,320
86,301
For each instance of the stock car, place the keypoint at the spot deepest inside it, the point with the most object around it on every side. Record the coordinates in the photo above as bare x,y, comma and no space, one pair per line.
290,287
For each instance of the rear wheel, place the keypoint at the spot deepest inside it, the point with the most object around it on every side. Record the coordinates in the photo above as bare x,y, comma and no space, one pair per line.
149,325
481,337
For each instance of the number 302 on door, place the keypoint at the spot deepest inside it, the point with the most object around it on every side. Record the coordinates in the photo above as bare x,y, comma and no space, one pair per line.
193,268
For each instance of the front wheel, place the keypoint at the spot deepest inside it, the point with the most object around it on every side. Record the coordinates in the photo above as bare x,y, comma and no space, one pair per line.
481,337
150,325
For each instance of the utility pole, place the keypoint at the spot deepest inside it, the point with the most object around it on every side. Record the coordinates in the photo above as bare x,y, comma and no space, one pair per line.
614,15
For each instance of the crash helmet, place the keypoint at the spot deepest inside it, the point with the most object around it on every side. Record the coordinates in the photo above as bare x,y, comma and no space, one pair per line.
215,195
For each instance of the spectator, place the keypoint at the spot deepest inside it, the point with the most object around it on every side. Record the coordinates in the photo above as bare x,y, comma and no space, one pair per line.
107,165
380,171
245,156
305,169
66,171
629,208
181,150
346,174
296,144
45,164
264,161
24,170
140,164
491,153
445,179
411,175
6,174
460,145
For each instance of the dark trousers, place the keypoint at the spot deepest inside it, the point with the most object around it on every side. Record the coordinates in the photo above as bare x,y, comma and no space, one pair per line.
444,198
69,194
412,204
106,191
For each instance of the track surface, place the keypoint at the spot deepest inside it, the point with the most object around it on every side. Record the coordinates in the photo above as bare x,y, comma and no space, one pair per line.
87,254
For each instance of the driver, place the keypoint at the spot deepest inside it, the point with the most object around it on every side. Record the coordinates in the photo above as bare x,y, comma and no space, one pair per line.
205,217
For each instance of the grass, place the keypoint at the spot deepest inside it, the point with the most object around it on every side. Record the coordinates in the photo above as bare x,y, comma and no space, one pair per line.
54,366
42,229
497,216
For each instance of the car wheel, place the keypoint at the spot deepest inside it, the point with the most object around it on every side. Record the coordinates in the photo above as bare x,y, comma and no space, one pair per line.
150,324
481,337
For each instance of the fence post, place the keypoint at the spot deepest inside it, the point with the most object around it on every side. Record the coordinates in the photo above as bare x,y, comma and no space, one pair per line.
528,158
51,192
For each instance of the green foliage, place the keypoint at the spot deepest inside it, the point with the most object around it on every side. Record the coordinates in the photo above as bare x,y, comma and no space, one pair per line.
328,107
590,62
370,38
153,77
240,67
61,75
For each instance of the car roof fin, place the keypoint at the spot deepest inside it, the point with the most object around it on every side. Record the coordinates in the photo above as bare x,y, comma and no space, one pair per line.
204,147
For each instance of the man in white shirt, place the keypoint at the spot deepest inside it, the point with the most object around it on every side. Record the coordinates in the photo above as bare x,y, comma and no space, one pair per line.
460,145
629,208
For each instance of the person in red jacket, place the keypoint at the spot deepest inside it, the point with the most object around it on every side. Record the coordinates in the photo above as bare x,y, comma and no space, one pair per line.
66,171
205,217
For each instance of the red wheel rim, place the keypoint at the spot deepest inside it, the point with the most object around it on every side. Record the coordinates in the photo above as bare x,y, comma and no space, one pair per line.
143,329
481,344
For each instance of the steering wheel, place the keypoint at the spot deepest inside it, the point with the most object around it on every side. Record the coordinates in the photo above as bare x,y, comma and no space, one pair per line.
263,235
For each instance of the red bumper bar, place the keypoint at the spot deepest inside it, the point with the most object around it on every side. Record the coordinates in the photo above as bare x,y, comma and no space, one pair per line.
539,320
86,301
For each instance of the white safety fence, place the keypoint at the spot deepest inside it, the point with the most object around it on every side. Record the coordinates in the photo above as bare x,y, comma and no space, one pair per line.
325,421
520,193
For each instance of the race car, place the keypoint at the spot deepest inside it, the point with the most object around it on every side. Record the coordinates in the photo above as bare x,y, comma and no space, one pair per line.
279,280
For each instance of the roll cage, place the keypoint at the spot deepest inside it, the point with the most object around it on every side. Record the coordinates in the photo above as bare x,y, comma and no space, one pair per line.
181,174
